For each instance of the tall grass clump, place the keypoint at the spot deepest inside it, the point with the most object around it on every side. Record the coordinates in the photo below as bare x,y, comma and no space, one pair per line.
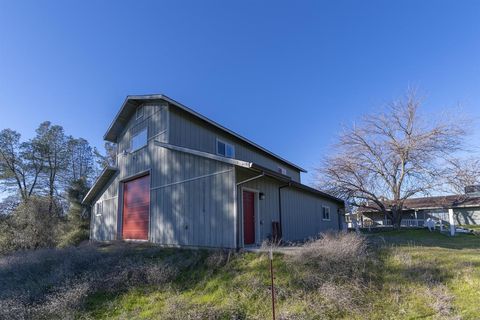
55,283
334,272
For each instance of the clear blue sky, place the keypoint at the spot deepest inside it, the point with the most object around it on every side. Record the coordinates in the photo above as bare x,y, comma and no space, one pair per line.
285,74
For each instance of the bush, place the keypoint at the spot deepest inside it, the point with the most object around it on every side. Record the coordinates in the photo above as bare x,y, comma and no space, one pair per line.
339,256
333,271
54,283
31,225
74,237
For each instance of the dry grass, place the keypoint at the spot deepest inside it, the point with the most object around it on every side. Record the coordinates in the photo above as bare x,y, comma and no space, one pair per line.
53,284
334,272
337,276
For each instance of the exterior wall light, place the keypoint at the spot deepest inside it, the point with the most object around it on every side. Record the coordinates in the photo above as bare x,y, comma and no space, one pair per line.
261,196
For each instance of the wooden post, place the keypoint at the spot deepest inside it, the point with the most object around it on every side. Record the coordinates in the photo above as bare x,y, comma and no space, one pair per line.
272,287
451,221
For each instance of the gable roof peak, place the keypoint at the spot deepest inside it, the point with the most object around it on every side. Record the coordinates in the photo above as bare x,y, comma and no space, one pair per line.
133,101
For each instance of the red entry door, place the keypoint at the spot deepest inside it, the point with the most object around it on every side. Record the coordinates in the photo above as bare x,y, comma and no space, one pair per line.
248,217
136,208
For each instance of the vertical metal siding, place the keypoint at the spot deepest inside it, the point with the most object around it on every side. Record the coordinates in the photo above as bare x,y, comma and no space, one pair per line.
302,215
187,131
106,226
192,200
268,208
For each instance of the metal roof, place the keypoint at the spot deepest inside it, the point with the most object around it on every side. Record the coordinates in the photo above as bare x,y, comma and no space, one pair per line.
132,102
429,203
294,184
101,181
251,165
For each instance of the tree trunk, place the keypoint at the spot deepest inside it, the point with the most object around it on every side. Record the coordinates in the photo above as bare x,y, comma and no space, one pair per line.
396,218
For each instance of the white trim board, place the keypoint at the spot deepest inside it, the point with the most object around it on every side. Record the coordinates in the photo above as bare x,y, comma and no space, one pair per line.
192,179
203,154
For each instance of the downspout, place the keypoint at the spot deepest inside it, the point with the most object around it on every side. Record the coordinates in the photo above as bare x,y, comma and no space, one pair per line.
280,207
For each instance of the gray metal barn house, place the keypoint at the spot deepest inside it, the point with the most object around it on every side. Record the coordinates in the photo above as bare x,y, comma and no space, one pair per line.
184,180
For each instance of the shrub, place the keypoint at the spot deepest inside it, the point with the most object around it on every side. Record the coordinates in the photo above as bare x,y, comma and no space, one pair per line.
333,272
74,237
31,225
336,256
54,283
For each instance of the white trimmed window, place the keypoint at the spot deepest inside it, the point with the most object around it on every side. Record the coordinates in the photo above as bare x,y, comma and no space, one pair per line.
139,140
225,149
140,112
325,213
282,170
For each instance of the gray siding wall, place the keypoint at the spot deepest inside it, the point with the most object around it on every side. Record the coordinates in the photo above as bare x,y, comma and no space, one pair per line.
107,225
467,216
104,224
187,131
191,200
301,210
302,215
155,118
462,216
268,208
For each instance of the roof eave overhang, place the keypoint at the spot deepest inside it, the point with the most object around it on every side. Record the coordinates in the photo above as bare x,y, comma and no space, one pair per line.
252,166
99,184
278,176
428,208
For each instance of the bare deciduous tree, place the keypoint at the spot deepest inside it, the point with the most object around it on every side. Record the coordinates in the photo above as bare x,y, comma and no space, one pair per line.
391,156
463,172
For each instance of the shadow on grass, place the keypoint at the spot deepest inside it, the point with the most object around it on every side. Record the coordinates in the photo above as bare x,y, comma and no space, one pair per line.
424,238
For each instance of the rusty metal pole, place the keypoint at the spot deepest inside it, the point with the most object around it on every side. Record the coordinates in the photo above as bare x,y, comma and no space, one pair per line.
272,287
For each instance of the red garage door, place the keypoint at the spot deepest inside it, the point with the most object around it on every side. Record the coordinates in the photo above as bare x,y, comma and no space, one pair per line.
136,208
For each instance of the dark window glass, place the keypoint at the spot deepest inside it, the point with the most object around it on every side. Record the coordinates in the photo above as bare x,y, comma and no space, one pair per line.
221,148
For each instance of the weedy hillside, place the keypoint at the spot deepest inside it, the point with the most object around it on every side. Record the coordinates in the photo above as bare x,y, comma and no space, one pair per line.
396,275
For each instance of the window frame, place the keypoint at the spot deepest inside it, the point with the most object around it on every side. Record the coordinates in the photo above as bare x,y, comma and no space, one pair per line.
227,145
99,208
323,213
282,170
136,135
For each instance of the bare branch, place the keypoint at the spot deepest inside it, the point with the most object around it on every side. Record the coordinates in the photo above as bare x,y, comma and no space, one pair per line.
394,154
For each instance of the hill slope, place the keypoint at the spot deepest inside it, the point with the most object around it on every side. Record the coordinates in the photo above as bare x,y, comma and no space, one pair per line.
422,275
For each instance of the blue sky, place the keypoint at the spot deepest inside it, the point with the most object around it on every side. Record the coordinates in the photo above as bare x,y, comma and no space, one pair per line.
285,74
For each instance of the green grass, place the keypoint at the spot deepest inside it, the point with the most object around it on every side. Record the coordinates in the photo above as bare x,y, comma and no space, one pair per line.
418,275
427,272
472,227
